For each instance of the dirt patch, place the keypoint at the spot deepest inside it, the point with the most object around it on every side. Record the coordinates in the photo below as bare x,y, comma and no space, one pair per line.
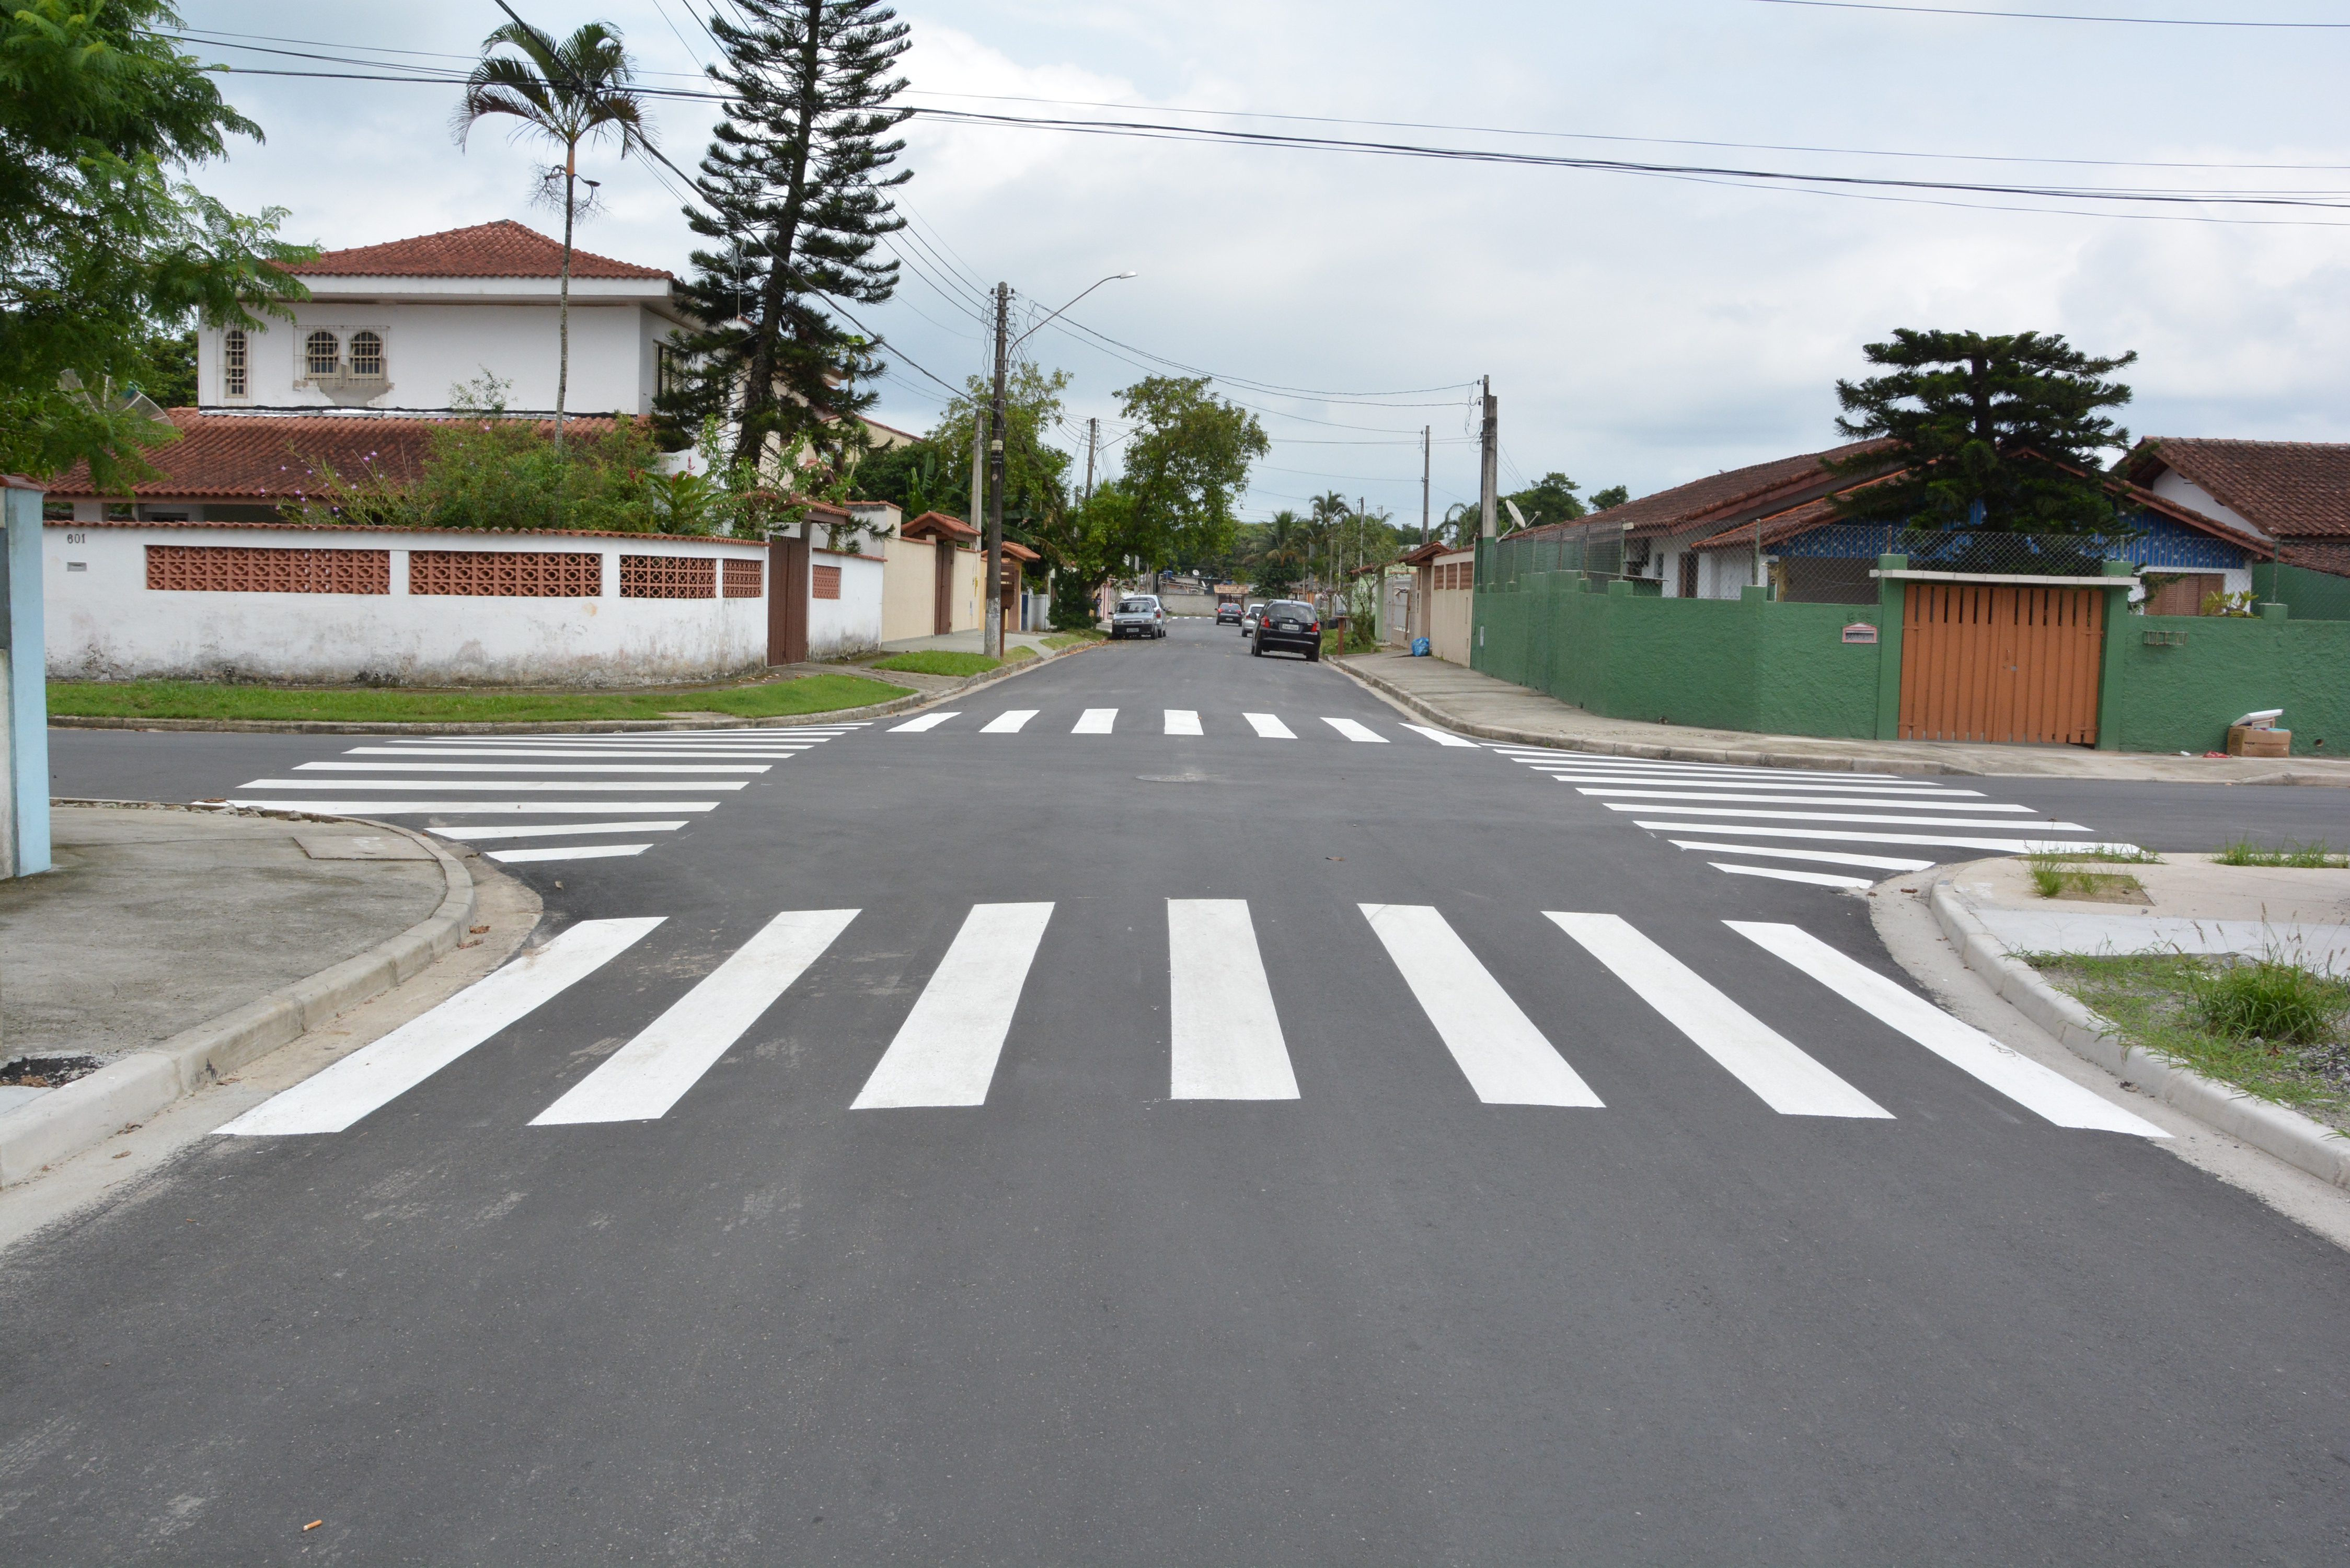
47,1072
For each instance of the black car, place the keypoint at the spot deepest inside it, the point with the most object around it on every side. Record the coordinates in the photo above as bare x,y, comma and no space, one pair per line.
1228,614
1289,624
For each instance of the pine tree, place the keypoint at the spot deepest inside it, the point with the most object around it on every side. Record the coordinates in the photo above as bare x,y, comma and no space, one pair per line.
796,186
2000,432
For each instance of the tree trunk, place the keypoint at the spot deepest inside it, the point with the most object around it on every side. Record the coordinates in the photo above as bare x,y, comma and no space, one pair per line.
563,306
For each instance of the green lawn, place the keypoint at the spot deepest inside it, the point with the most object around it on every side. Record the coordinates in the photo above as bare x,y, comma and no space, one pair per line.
370,705
937,662
1061,639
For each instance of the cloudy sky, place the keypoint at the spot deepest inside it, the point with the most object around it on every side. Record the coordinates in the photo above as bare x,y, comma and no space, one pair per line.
1639,329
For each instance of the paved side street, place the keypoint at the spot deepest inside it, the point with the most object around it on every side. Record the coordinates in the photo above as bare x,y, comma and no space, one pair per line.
1222,1157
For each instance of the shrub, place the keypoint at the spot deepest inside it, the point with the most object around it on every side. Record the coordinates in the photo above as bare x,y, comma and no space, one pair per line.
2270,1000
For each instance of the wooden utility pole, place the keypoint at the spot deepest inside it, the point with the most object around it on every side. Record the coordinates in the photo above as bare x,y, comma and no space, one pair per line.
1488,468
992,624
1093,434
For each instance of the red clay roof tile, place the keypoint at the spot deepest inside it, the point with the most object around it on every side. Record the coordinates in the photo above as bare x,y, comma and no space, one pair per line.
2293,489
1758,489
500,249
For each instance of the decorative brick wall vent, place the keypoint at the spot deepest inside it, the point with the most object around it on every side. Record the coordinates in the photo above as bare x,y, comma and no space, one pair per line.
507,573
669,577
227,569
742,579
825,583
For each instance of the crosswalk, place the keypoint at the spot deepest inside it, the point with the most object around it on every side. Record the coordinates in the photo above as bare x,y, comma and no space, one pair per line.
1188,722
1848,830
1224,1041
608,791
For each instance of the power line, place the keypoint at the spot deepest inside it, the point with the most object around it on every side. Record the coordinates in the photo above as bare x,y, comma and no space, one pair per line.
2050,15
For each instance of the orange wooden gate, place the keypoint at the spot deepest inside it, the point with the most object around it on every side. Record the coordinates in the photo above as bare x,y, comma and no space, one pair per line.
1996,662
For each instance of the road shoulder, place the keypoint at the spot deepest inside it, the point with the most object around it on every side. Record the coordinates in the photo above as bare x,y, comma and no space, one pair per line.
1906,924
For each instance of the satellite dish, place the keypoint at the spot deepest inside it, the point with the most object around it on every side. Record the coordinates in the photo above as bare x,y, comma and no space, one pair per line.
1515,515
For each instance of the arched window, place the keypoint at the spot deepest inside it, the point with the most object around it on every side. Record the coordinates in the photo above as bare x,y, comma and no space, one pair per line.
321,353
233,381
367,354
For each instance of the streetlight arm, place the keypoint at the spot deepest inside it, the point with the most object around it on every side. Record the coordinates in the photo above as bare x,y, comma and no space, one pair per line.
1065,309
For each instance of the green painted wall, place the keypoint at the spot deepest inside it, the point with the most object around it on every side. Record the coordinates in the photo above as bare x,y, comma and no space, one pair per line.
2179,698
1731,664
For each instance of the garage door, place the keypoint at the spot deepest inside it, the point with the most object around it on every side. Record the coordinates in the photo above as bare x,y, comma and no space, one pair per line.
1998,661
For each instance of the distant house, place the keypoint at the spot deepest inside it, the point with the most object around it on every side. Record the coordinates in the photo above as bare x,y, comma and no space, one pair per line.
1655,537
2295,493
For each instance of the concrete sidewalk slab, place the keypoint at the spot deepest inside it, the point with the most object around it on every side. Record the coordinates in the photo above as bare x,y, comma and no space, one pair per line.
1490,709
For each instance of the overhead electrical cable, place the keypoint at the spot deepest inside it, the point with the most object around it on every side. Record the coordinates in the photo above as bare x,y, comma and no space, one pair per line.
2051,15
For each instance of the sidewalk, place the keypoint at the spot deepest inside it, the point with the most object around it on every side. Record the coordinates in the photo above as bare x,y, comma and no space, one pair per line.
1494,709
170,945
963,642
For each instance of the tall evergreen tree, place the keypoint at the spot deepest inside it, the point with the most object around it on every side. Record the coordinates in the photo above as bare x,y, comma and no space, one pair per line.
797,186
1969,420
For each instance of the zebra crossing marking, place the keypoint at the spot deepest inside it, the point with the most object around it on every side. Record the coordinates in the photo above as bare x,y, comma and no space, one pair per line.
378,1073
473,835
1839,816
2042,1090
1824,857
569,852
1997,845
642,1079
1007,723
927,721
1788,874
471,807
1095,721
1269,727
1354,730
1183,722
538,768
1224,1033
524,786
1778,1072
946,1051
1728,798
1440,737
1505,1059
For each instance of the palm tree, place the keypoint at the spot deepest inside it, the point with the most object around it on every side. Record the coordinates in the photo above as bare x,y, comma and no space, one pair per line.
570,93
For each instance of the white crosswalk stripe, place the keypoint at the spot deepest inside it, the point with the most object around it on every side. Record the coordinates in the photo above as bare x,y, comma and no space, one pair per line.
1749,1050
1354,730
2040,1090
377,1073
1008,723
1183,722
1224,1036
1175,722
1269,727
1440,737
1225,1039
1505,1057
927,721
1095,721
644,1078
1722,808
455,780
945,1053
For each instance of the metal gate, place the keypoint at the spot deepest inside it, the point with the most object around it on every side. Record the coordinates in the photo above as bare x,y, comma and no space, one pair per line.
787,600
1996,662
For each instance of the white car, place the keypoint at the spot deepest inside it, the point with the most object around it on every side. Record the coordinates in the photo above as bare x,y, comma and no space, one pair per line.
1139,614
1249,618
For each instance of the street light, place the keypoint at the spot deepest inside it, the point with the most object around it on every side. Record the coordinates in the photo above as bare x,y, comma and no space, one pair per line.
992,624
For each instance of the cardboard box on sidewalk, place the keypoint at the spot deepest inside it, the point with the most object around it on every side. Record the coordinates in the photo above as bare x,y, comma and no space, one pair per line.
2244,741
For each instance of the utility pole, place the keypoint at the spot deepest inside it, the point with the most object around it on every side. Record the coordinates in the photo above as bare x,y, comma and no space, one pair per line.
992,632
1093,434
1424,445
1488,470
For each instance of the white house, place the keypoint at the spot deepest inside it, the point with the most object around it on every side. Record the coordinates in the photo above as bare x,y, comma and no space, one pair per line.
400,326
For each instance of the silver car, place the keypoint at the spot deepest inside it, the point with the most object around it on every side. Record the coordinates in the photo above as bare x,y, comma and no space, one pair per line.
1249,618
1139,614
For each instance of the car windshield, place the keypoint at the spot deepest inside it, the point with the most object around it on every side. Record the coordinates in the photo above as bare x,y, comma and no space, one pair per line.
1289,609
1134,606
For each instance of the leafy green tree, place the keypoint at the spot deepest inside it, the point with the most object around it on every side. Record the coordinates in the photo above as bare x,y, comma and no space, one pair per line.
574,91
1614,496
1966,419
797,185
167,369
1278,558
921,476
1185,465
1035,472
1550,499
102,247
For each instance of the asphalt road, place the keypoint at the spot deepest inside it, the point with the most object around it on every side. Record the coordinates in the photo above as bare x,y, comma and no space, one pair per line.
1106,1316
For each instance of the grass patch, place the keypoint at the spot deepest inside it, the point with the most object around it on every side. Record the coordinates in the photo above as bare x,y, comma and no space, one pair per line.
2270,1028
2055,880
937,662
1017,652
1061,639
2315,856
392,705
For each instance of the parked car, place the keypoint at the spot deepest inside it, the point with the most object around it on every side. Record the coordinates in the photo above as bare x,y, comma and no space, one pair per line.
1139,614
1249,619
1228,614
1289,624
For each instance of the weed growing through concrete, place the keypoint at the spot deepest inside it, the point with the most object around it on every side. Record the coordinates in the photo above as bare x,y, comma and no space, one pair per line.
2317,855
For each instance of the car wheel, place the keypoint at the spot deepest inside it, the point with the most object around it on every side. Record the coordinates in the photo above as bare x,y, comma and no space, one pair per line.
1257,649
1314,655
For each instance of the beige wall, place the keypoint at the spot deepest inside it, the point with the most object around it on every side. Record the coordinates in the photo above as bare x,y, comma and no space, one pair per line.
1447,615
909,569
971,566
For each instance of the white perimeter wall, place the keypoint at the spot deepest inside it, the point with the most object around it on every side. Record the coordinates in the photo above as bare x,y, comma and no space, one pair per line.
104,623
851,624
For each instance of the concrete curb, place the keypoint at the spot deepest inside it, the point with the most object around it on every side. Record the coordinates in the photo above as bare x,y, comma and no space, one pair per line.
135,1086
1754,756
1741,756
2292,1138
549,727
